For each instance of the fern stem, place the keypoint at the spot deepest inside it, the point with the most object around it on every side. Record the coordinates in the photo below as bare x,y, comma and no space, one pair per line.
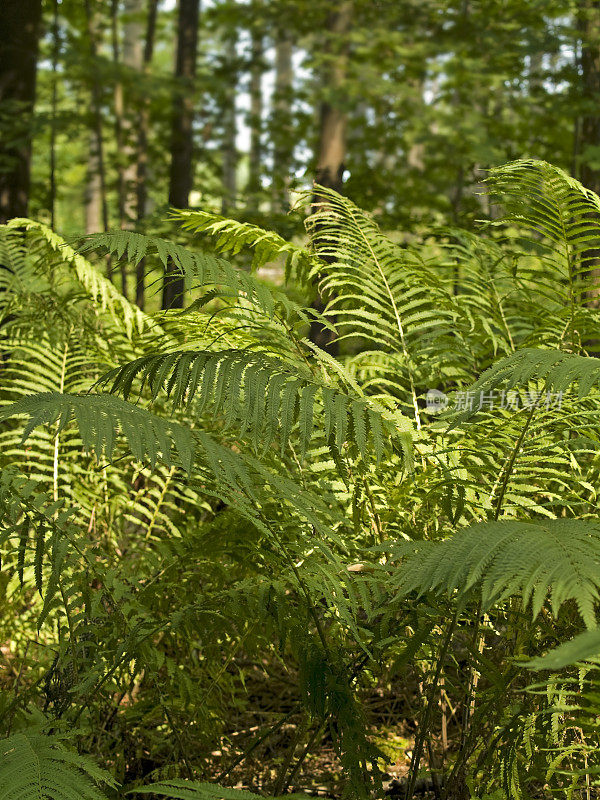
304,588
302,757
511,462
398,321
254,745
424,723
160,501
57,437
280,782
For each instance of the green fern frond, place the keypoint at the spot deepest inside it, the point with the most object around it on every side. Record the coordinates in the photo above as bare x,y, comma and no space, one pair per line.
234,477
34,766
559,559
195,790
231,236
584,647
548,202
557,370
258,391
99,419
99,288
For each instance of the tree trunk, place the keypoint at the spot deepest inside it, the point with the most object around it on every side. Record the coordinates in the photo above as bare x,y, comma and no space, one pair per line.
54,113
20,29
182,139
281,127
332,139
589,25
93,189
131,61
229,149
254,186
142,146
95,200
331,151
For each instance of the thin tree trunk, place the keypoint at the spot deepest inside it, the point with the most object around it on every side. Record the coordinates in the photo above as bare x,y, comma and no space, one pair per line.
229,149
93,190
182,141
96,205
142,146
19,32
281,127
331,151
589,25
254,186
119,124
131,60
333,120
54,112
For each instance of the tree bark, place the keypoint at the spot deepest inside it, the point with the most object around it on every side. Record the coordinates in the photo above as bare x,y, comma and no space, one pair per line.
281,127
95,201
182,140
333,119
131,61
254,186
20,30
589,129
331,151
229,149
54,113
142,146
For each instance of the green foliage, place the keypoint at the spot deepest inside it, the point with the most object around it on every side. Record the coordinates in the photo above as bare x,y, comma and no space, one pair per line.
37,766
163,539
556,558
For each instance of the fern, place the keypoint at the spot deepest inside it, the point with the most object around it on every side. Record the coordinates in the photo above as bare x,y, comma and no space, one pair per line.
97,286
231,236
556,558
35,766
584,647
201,269
196,790
263,394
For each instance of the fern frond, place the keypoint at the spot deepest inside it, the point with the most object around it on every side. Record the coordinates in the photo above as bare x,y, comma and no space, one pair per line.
201,269
100,417
98,287
232,236
548,202
259,391
584,647
196,790
559,559
34,766
556,369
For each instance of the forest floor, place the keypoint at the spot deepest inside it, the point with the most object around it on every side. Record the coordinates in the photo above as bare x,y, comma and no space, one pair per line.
271,695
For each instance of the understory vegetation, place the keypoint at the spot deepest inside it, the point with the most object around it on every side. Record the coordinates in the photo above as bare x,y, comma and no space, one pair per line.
203,502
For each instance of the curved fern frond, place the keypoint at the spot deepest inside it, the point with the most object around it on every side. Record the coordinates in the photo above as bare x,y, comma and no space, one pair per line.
584,647
34,766
96,285
548,202
555,558
264,395
234,477
100,417
231,236
196,790
556,369
201,269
